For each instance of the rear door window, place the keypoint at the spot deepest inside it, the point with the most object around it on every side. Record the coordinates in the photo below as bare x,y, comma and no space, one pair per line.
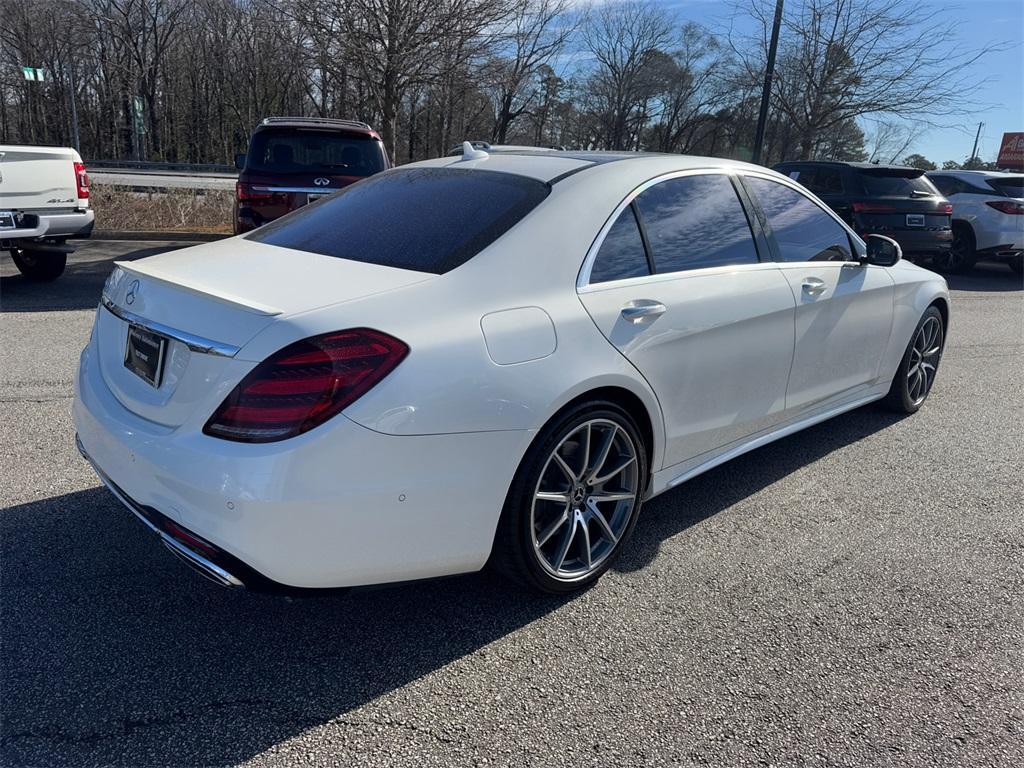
622,253
802,230
424,219
695,222
314,151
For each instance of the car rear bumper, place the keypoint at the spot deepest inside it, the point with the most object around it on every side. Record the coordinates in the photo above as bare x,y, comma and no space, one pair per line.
337,507
1001,242
37,224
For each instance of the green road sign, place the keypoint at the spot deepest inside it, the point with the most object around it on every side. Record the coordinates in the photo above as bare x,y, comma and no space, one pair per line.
31,73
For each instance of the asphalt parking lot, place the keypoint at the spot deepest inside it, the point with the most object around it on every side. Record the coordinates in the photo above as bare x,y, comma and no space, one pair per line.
851,595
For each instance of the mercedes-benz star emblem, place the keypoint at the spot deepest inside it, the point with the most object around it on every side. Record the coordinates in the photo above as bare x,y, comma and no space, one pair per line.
322,182
133,291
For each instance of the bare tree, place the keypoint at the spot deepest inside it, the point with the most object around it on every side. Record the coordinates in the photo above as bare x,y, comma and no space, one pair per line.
394,44
844,59
622,39
537,31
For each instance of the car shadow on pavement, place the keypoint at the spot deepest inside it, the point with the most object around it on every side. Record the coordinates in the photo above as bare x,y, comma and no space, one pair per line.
987,277
78,288
115,654
705,495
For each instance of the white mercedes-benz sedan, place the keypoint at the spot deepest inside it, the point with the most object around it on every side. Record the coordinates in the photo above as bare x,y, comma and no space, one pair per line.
486,359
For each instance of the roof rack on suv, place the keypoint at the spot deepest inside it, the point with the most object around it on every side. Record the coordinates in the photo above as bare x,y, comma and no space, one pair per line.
325,121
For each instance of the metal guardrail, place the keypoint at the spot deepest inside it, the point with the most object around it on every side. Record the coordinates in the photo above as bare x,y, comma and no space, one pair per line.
146,165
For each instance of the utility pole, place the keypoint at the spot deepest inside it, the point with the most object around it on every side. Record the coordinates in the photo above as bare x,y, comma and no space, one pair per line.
766,92
74,111
974,151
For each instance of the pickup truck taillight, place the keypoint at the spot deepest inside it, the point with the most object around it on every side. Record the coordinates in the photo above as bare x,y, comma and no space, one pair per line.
81,181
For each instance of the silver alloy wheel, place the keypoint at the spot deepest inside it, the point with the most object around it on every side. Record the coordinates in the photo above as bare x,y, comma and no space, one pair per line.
924,358
584,499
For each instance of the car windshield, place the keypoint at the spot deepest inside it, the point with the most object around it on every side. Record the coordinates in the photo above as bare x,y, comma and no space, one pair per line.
892,183
1011,186
425,219
314,151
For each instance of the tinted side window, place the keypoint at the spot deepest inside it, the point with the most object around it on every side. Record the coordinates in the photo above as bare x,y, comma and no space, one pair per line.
944,184
622,253
695,222
824,181
426,219
802,230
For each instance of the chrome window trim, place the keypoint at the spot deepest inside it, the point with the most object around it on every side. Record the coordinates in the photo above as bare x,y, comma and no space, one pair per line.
192,341
583,284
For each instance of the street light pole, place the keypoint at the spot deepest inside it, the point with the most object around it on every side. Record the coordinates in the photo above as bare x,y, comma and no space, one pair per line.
766,91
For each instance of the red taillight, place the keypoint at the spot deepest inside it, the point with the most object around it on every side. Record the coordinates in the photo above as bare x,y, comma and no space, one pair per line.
249,193
81,181
1006,206
872,208
946,209
305,384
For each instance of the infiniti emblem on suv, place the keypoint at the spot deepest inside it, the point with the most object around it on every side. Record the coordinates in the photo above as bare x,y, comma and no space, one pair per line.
133,291
321,181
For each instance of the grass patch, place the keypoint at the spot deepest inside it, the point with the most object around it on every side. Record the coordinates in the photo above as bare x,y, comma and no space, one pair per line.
173,210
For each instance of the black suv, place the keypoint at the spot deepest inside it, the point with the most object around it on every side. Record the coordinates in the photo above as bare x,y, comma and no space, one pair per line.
890,200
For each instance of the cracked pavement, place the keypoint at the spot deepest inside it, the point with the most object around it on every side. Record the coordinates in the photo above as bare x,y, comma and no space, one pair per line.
852,595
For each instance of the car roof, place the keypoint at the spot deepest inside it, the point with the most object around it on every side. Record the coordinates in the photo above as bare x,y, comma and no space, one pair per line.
976,174
851,164
552,165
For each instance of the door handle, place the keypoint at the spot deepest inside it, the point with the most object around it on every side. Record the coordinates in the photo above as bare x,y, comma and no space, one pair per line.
638,311
813,286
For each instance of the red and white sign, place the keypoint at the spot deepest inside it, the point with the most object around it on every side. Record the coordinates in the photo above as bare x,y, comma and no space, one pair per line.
1011,152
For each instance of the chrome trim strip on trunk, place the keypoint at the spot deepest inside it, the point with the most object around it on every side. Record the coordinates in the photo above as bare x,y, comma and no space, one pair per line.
191,340
308,190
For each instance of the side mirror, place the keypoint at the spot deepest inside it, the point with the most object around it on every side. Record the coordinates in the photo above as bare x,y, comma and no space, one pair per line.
240,161
882,251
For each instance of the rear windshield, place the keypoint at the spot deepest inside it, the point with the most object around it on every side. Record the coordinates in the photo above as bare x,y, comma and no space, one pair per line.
896,184
1011,186
311,151
426,219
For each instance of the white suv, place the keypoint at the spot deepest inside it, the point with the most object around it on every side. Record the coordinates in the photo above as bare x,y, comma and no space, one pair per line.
988,216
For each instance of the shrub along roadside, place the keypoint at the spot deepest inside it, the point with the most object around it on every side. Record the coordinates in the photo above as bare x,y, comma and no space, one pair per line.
174,210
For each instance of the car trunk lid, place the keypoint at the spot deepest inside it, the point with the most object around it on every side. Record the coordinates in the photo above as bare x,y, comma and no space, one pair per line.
207,302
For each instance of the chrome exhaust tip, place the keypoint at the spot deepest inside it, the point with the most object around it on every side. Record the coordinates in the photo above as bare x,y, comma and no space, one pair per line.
198,563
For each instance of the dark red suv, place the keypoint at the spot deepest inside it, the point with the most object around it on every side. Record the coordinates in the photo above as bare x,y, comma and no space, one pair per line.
294,160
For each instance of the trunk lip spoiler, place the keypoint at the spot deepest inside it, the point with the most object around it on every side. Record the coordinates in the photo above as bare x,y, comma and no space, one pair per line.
225,298
192,341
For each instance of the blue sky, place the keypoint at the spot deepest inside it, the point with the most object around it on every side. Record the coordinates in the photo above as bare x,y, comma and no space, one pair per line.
979,24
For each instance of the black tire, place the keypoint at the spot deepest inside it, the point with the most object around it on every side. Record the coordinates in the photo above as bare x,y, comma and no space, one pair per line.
39,266
1017,264
514,554
901,398
962,255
